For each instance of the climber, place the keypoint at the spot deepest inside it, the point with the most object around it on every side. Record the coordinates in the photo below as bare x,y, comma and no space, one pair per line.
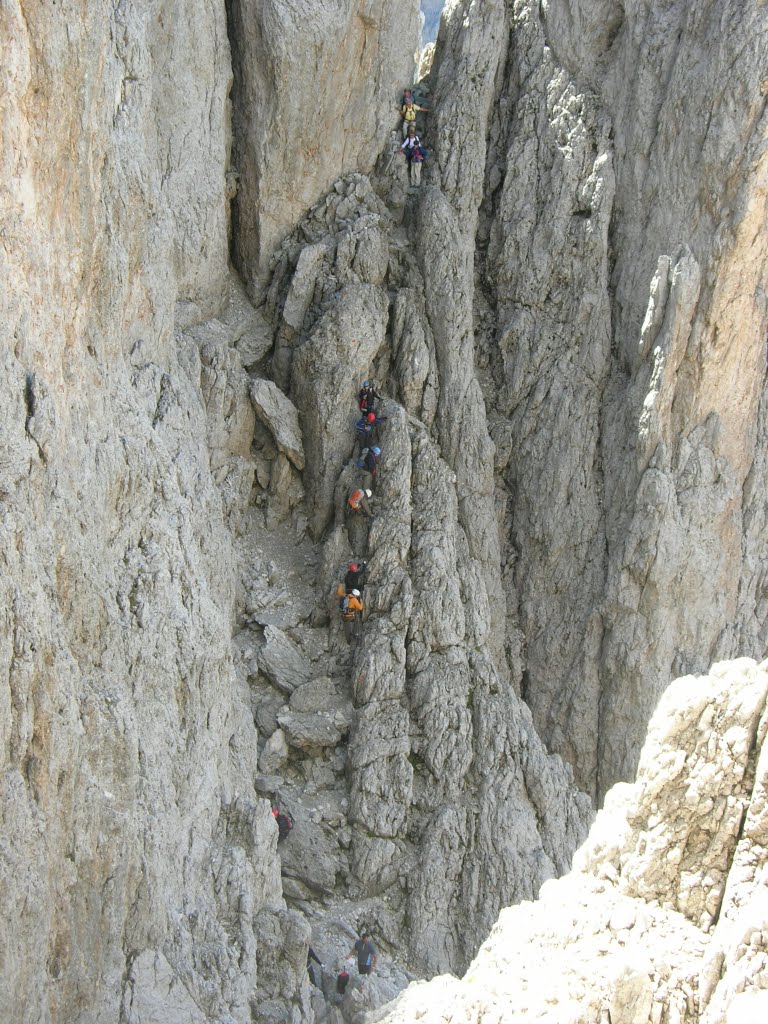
367,397
366,954
351,609
312,955
364,428
358,502
414,155
284,823
355,577
369,427
415,96
376,422
409,110
370,460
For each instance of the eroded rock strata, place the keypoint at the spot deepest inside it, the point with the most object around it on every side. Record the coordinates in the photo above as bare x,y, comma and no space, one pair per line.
207,242
664,915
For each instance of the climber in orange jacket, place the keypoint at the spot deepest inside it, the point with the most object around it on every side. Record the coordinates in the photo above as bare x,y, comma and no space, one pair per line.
351,610
358,502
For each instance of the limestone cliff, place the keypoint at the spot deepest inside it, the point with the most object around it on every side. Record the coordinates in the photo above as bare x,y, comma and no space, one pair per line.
664,916
568,323
313,98
622,323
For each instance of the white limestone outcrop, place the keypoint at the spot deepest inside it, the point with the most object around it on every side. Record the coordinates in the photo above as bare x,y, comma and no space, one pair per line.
663,917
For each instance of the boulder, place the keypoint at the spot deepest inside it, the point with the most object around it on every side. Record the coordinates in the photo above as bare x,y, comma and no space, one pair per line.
281,661
311,732
320,694
278,413
274,753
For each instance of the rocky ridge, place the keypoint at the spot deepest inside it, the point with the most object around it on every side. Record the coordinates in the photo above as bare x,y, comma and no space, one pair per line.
292,136
663,917
441,758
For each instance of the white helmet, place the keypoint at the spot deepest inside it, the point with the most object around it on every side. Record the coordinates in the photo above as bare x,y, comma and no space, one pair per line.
368,494
355,593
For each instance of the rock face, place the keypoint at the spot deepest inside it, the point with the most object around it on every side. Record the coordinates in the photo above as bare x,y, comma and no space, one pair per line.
567,321
134,860
139,870
442,771
313,99
619,210
664,915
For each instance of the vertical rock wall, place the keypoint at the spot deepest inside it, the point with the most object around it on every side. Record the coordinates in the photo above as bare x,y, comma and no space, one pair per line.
134,864
622,255
313,99
455,808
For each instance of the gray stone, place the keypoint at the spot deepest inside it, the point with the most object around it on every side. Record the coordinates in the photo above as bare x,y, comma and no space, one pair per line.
282,662
629,933
267,784
310,732
274,753
320,694
311,856
279,414
305,136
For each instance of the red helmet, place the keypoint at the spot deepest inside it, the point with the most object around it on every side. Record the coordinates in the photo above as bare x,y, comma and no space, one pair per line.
353,567
371,417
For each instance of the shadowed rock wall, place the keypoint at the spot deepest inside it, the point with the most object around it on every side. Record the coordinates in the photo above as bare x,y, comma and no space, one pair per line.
314,97
621,331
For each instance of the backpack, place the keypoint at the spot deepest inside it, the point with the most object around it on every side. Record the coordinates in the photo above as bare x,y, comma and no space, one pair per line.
284,823
344,605
341,982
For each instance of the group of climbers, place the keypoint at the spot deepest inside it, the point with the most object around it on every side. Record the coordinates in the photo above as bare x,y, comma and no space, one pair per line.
350,593
351,599
368,428
363,951
411,146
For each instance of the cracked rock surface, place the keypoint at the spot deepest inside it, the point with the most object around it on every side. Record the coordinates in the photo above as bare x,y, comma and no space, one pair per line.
567,322
663,916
